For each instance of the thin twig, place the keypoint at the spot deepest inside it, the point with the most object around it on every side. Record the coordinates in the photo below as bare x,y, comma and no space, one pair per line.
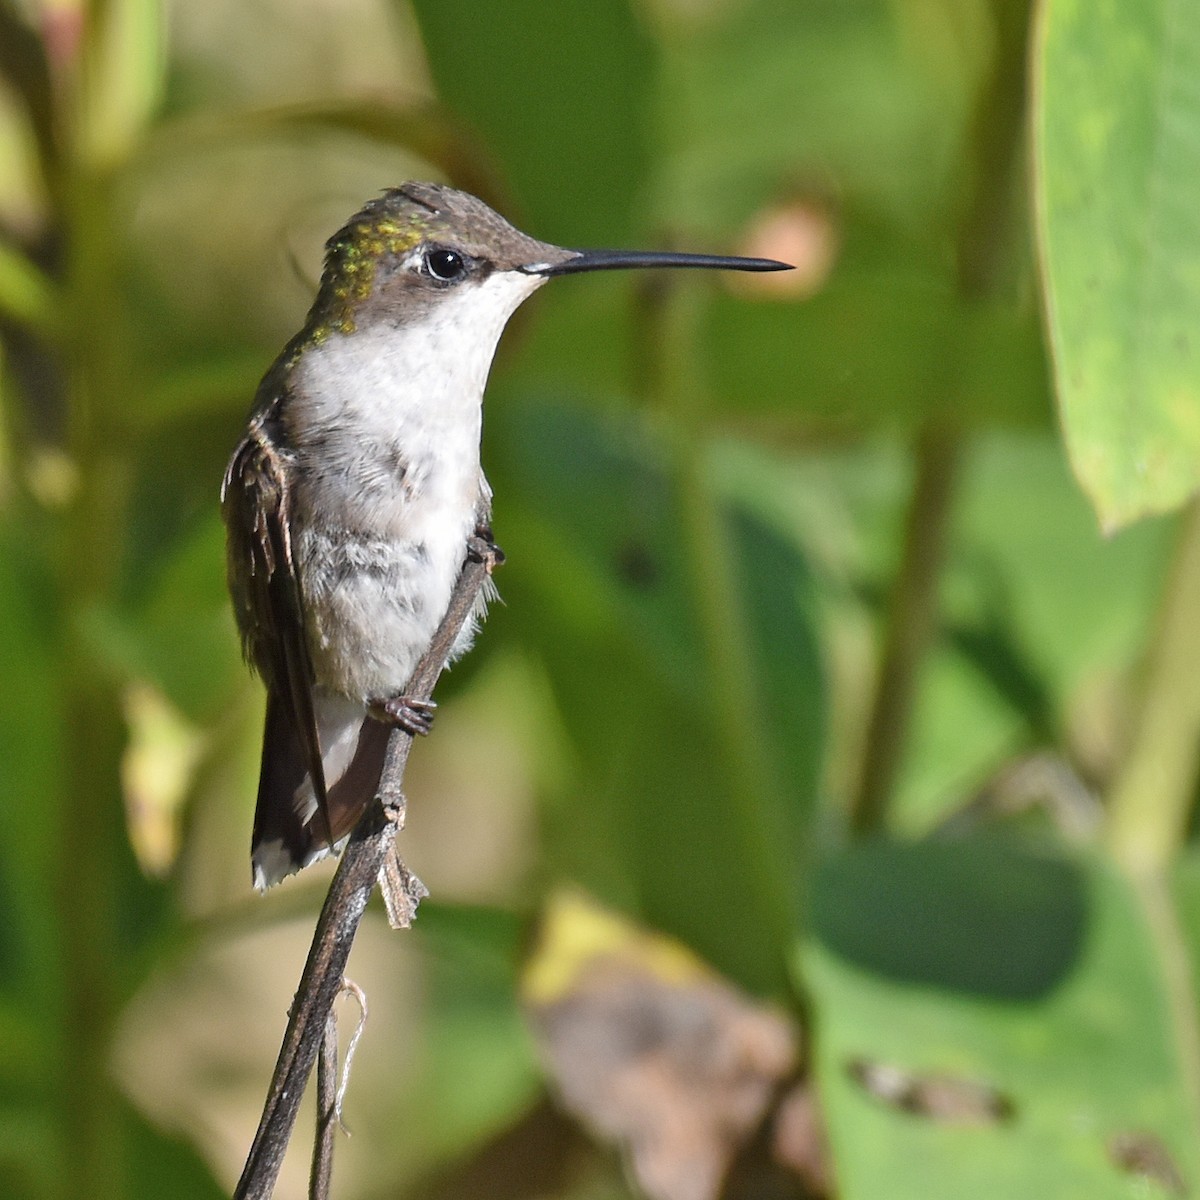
321,1174
331,1093
364,856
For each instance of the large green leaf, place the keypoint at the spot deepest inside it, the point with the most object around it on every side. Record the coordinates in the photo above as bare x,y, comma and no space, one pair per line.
1117,174
598,587
1029,974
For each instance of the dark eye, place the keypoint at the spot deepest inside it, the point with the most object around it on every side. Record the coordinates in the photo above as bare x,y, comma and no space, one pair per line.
446,266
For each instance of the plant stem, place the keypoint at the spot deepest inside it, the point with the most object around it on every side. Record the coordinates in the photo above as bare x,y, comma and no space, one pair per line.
1153,793
910,624
89,831
1152,796
92,843
1174,961
980,259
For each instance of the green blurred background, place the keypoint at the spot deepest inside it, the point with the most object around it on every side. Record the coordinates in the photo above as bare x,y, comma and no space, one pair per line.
823,650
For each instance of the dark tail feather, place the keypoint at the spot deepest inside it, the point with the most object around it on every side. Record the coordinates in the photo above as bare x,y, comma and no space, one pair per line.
281,842
275,817
355,788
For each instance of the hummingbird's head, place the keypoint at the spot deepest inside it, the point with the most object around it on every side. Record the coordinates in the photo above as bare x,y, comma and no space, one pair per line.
424,252
421,248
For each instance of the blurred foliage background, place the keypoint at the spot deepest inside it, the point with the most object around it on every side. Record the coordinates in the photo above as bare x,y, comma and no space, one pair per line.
832,651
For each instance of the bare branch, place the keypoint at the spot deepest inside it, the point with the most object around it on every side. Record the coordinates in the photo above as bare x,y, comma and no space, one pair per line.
366,853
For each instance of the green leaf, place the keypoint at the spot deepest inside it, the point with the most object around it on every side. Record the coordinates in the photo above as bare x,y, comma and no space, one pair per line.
1077,602
1117,174
862,99
871,350
25,69
26,294
561,94
125,77
1026,973
161,1164
185,630
180,635
480,1067
597,589
1186,888
1042,618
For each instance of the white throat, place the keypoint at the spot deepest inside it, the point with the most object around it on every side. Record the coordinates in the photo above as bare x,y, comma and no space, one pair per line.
388,408
382,378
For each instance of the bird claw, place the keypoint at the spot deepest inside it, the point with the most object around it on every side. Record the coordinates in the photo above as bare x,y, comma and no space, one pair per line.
481,549
404,712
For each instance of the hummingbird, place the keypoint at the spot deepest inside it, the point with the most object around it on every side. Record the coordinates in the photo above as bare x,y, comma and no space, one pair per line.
350,502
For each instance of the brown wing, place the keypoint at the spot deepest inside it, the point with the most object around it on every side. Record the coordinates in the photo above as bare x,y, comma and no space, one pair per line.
269,605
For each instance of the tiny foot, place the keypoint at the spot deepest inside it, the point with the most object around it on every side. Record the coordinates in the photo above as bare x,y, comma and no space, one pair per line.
404,712
481,549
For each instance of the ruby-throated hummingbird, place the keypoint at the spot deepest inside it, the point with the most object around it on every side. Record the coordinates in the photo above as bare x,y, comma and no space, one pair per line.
351,498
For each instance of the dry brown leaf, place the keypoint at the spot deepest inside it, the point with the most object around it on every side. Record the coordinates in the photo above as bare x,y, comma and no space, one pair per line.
649,1048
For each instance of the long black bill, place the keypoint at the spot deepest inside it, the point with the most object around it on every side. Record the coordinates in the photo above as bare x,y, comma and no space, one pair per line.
620,260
